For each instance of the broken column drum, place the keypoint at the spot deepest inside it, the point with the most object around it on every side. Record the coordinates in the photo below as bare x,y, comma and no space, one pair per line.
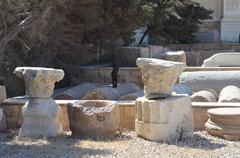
162,116
40,113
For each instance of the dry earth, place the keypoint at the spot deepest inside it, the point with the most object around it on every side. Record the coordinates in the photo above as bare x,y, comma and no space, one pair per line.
126,145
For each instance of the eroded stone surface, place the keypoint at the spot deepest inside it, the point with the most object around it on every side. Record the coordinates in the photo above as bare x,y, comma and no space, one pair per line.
159,76
40,118
165,119
76,92
126,88
229,94
39,82
3,126
40,113
102,93
3,94
205,96
132,96
223,60
215,80
182,89
224,122
178,56
94,118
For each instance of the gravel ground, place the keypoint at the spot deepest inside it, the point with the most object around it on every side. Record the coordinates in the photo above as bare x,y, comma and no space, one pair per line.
126,145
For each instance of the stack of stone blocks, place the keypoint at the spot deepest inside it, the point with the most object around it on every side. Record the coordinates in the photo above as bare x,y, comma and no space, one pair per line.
162,116
40,113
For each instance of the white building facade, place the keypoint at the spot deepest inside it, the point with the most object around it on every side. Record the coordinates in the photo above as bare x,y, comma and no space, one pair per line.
225,25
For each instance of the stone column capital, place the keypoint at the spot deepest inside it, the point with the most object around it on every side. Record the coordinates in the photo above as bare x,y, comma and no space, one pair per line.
39,81
159,76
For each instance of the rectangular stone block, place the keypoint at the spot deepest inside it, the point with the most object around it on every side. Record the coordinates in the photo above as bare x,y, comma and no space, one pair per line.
164,119
127,116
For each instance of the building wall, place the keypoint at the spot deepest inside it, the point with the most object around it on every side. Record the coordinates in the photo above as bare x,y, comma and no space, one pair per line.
210,30
215,5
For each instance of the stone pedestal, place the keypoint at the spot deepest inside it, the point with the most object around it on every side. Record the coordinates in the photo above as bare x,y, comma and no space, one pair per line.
40,113
230,27
224,122
165,119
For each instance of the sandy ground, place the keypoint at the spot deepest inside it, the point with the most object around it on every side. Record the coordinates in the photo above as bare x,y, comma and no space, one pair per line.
125,145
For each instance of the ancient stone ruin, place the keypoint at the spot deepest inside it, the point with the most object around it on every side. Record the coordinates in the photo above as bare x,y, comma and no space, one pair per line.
162,116
159,76
224,122
94,118
41,111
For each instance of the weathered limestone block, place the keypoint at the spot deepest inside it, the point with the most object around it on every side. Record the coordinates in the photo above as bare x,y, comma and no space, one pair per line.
14,117
159,76
3,126
127,115
132,96
126,88
102,93
94,118
182,89
215,80
168,119
40,118
178,56
205,96
76,92
3,95
39,82
224,122
223,60
40,113
229,94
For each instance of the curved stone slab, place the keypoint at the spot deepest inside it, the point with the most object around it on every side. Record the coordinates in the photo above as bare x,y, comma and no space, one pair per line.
159,76
205,96
76,92
229,94
215,80
182,89
223,60
126,88
132,96
102,93
39,82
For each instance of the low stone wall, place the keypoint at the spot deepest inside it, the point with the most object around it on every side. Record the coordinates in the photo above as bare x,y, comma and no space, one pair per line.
195,53
126,74
12,110
103,75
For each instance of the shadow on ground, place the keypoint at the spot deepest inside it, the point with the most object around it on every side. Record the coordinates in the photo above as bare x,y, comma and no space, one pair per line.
11,146
198,142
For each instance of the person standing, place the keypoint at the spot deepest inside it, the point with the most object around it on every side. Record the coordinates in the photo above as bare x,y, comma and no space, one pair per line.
114,75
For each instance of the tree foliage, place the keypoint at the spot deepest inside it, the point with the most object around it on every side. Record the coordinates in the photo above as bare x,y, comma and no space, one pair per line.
174,21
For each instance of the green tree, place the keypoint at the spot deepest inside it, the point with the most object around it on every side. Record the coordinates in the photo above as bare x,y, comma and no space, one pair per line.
173,21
